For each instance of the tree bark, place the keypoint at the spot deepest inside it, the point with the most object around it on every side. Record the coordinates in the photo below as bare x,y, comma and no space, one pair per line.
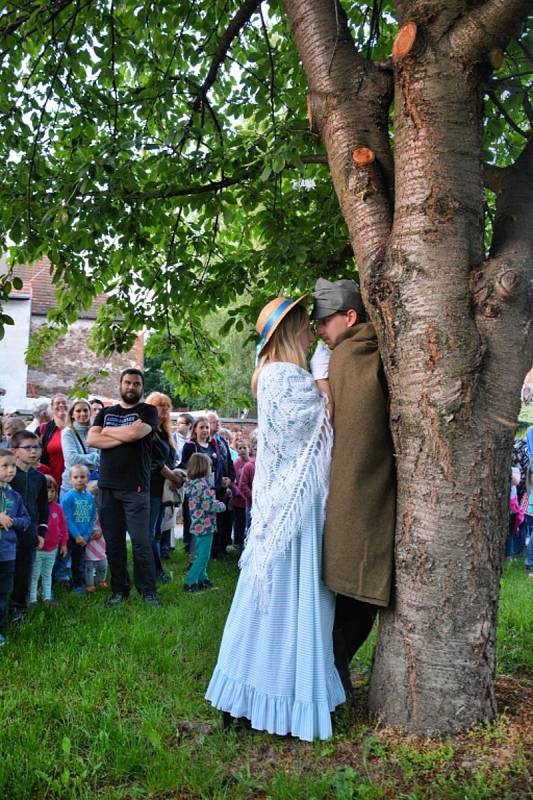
455,335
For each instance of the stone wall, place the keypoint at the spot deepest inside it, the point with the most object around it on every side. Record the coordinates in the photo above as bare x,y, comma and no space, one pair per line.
70,358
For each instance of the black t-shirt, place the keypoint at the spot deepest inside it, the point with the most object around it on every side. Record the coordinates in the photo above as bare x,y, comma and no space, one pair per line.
126,467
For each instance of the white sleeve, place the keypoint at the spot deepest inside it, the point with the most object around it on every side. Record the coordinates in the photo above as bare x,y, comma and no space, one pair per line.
320,362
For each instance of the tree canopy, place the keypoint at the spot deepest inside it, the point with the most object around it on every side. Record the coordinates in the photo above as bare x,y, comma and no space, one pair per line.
161,152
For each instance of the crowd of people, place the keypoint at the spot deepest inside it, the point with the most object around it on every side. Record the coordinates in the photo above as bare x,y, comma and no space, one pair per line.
520,537
316,554
81,476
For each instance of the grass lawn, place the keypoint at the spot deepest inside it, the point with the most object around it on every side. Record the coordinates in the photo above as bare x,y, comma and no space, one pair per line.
91,699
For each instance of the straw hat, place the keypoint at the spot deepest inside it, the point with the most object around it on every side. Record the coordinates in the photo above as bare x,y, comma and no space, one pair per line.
271,316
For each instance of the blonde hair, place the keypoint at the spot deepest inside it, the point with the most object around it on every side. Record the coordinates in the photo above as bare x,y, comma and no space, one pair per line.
284,344
79,466
70,418
155,399
198,466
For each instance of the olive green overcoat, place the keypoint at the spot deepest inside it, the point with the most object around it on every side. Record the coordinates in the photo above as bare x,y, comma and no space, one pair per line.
360,517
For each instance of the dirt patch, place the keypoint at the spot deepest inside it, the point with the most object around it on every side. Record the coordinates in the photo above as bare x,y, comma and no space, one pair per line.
397,762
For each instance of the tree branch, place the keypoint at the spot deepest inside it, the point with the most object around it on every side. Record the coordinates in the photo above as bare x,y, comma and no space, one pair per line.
503,288
510,121
54,9
239,21
349,100
184,191
488,26
512,226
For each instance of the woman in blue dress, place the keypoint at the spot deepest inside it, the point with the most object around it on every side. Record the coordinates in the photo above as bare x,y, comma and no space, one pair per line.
275,666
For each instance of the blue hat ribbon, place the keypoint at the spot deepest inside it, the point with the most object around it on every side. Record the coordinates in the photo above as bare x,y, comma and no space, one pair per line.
269,325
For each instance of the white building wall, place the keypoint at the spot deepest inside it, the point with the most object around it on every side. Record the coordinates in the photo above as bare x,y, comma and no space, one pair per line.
13,368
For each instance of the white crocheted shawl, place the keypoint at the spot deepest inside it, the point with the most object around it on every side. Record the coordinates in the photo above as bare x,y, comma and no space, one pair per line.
292,468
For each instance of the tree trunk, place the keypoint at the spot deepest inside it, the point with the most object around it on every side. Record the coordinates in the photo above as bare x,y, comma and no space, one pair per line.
455,351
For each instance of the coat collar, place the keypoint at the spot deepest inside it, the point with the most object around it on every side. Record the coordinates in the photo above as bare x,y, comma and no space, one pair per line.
362,332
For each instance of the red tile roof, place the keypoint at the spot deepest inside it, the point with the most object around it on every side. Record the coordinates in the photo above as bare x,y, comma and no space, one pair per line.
38,285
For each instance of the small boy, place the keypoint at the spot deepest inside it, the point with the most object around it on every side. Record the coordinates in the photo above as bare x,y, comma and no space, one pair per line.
79,509
31,486
14,519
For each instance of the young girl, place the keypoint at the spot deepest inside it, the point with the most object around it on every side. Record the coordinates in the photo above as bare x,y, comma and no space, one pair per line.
56,537
198,443
95,557
203,507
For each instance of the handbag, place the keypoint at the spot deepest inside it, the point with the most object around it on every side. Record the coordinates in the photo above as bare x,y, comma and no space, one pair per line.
173,496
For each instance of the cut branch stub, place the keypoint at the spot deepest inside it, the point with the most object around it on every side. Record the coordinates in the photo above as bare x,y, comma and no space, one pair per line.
496,57
404,41
363,156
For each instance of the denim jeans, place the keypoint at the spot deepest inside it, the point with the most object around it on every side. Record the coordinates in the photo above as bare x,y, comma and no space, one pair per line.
95,570
514,544
42,568
528,524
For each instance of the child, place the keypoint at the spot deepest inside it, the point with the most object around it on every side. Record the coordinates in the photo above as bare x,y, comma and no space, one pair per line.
80,512
31,486
203,507
513,546
56,537
95,560
529,519
14,519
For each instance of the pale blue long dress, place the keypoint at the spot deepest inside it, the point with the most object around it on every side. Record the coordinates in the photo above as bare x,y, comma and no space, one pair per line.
275,665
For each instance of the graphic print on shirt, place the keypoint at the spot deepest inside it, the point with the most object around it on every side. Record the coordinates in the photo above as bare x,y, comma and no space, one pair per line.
116,421
6,507
83,511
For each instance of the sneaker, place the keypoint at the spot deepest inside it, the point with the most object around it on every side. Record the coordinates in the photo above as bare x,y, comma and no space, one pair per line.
90,589
205,585
191,588
233,548
116,599
152,599
163,578
51,601
530,575
79,590
102,585
3,640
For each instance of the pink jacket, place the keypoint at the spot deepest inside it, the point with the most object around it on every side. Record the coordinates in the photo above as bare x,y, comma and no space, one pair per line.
56,533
